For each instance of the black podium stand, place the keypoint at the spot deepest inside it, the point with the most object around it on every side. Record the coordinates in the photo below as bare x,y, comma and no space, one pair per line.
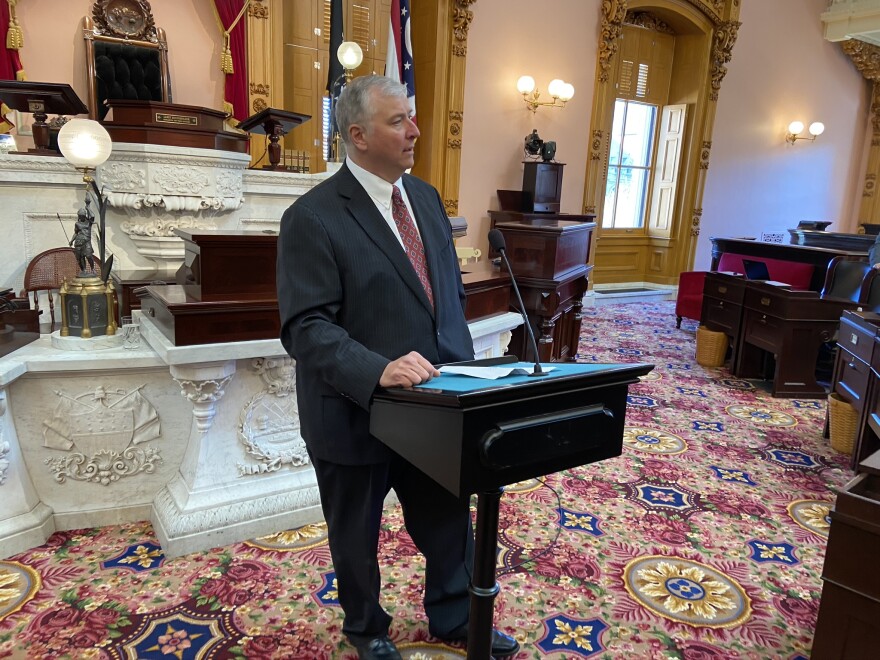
476,436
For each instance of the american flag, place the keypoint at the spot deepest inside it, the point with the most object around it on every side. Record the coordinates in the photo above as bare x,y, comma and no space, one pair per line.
399,60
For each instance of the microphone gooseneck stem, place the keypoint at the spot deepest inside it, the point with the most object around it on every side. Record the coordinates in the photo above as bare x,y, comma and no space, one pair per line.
522,308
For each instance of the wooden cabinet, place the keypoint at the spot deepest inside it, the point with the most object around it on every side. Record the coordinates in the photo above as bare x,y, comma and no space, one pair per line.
849,615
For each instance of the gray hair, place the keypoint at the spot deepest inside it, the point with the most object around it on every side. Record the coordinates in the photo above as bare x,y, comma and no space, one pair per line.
355,102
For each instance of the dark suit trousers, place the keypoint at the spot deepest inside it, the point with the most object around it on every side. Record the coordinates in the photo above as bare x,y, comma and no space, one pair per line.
439,523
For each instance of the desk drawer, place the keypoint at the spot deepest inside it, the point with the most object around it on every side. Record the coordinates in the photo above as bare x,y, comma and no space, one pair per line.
722,316
763,330
856,339
726,288
852,378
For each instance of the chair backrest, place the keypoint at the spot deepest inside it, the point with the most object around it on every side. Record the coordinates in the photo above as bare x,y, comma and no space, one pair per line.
126,55
870,297
844,279
47,271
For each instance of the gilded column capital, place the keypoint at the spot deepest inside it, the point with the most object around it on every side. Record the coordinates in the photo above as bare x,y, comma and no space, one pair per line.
865,57
461,23
613,15
723,39
257,9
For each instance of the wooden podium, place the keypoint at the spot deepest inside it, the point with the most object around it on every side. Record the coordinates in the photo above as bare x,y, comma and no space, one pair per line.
173,124
476,436
549,257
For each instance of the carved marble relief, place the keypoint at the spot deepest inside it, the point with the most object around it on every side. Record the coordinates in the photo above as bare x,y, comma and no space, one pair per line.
268,426
123,176
204,395
101,431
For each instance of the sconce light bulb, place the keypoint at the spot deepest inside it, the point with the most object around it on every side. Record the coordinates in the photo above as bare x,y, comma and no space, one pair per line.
567,92
556,88
350,55
795,127
816,128
525,85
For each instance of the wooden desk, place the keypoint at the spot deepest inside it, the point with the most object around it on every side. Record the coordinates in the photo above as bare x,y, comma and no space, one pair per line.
792,326
487,289
807,254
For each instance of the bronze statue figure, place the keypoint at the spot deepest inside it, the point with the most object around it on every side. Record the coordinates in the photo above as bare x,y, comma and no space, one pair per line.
82,240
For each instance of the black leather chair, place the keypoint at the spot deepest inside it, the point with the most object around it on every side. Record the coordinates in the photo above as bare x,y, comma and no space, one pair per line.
844,279
126,56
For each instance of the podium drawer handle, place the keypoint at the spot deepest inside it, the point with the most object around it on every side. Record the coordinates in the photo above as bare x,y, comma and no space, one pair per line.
765,302
852,365
722,289
854,339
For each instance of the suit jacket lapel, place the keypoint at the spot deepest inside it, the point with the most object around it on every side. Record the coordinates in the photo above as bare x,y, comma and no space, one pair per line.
364,211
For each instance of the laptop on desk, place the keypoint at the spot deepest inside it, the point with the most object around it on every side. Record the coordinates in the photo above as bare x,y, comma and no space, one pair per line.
755,270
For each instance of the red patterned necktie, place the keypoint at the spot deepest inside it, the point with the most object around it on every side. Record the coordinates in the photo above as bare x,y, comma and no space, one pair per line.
412,242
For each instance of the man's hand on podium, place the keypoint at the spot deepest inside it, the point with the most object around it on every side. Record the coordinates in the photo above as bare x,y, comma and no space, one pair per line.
411,369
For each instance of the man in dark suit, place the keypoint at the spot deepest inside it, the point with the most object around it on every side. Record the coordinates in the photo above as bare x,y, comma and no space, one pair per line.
370,296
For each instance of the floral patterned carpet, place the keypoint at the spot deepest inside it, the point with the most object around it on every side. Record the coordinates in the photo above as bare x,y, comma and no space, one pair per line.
705,539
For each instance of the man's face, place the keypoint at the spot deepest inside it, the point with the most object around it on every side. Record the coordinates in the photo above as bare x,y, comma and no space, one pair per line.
385,146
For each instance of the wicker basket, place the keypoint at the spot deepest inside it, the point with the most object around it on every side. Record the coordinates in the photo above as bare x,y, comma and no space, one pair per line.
843,422
711,347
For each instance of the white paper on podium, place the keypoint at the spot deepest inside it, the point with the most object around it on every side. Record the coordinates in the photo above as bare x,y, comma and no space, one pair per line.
490,373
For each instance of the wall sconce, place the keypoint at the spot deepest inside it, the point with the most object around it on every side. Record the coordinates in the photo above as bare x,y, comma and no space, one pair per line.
559,90
350,56
795,129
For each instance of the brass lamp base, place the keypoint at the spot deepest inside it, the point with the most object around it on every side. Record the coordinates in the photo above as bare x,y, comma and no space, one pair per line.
88,307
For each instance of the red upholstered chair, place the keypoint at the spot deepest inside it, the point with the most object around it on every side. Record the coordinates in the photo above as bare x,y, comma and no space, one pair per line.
689,302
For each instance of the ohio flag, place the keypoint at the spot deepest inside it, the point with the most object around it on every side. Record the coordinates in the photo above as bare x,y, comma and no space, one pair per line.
399,60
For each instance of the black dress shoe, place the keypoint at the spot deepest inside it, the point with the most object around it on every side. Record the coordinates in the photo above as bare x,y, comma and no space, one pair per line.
502,645
378,648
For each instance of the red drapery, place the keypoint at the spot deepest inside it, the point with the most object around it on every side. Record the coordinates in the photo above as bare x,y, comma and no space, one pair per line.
10,62
236,93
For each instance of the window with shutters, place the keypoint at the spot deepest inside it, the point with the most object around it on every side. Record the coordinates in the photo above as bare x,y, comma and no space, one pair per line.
642,88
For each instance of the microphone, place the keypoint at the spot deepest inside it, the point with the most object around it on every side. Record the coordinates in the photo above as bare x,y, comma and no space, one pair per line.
496,241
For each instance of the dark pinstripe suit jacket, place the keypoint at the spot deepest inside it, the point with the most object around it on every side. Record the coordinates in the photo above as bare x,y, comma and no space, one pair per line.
350,303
